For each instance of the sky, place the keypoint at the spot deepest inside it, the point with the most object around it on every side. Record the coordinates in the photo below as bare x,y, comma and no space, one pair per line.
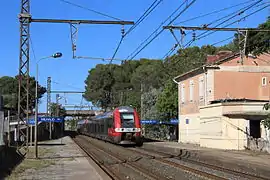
101,40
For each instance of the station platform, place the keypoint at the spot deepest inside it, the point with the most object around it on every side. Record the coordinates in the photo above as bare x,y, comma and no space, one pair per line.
244,160
58,159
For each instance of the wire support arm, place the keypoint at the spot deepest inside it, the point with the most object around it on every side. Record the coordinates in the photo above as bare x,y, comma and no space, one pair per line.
81,21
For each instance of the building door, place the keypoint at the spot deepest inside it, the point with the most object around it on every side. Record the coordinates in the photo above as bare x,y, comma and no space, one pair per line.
255,128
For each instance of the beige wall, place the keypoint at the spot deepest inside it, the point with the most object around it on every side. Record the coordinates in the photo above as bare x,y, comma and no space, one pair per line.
218,131
189,133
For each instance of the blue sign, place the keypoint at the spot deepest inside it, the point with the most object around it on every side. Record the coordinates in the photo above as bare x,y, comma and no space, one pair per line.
187,121
51,119
46,119
174,121
149,121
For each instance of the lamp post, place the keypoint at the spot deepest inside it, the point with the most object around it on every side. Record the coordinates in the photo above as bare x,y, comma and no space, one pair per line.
56,55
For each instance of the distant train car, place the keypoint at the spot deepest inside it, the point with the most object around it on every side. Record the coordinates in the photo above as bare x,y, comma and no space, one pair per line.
120,126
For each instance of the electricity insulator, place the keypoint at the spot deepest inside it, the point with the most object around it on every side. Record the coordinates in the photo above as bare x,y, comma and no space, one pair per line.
182,32
194,36
123,31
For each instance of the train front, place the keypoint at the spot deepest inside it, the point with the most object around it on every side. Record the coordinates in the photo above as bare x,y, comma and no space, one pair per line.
127,126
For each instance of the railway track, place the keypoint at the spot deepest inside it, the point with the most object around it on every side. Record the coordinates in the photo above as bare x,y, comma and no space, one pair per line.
109,172
199,163
108,167
180,166
141,156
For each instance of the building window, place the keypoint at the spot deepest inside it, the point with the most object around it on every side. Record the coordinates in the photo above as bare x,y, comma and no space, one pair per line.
191,90
182,93
264,81
201,87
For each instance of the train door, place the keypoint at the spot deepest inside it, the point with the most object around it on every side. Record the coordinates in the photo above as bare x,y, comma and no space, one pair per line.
110,126
106,126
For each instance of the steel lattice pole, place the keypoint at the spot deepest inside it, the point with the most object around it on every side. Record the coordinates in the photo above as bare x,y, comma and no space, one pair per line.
49,103
23,79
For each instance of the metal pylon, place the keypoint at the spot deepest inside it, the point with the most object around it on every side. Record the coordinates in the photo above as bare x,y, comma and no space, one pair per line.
23,79
48,96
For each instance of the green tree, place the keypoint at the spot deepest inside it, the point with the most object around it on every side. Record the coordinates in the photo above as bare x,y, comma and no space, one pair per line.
167,102
259,42
149,100
9,90
149,75
99,85
57,108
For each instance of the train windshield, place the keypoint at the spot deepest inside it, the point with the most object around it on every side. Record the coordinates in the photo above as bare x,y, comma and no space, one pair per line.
127,120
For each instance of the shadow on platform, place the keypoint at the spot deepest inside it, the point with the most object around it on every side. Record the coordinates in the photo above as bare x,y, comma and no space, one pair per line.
145,140
72,134
58,157
9,159
51,144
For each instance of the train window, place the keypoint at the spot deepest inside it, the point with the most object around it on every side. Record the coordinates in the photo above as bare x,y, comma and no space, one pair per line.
127,117
127,120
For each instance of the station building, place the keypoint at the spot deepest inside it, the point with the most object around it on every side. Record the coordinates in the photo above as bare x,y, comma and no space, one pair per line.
221,103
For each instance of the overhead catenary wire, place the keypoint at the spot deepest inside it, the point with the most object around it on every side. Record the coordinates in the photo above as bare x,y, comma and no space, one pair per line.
156,30
68,85
174,63
88,9
145,14
233,14
222,41
200,36
213,12
32,48
235,21
169,53
171,21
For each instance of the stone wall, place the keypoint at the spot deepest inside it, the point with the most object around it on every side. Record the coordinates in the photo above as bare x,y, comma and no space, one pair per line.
260,144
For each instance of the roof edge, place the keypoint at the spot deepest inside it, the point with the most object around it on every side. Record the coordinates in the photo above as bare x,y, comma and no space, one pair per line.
206,66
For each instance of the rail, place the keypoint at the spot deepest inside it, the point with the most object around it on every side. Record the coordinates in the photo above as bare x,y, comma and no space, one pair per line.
132,165
208,165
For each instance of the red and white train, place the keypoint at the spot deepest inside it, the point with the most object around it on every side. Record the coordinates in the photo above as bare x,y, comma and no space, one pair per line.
120,126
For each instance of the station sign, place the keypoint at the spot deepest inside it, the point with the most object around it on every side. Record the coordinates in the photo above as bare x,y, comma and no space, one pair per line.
46,119
149,122
172,121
